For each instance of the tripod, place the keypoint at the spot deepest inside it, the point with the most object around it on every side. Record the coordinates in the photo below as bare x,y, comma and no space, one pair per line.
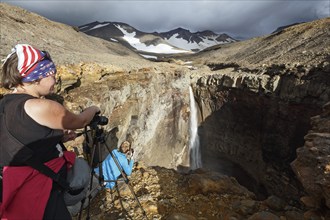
98,138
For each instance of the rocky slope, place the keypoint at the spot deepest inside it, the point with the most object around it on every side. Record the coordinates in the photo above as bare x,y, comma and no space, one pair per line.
255,101
299,45
65,44
165,194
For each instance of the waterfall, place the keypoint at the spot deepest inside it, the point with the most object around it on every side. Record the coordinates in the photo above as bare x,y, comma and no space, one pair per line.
195,155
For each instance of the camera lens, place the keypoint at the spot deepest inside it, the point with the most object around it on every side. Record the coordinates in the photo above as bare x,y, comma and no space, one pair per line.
103,120
98,120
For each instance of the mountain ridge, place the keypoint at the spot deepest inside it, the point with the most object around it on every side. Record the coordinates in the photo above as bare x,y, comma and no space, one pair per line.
301,44
178,40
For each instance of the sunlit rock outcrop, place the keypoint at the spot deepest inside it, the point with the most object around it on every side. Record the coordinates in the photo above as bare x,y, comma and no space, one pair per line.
312,165
149,107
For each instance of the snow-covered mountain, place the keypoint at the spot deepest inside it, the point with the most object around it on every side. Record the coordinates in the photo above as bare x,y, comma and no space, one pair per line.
184,39
147,44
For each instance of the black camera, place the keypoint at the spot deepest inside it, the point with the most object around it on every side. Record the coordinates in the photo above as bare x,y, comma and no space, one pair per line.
98,120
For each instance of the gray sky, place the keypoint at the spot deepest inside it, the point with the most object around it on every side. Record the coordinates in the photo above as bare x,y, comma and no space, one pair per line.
238,18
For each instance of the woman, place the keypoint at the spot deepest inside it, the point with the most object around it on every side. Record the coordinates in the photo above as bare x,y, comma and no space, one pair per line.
110,169
40,125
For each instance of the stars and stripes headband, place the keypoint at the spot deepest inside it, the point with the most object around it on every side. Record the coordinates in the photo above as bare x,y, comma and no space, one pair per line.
33,64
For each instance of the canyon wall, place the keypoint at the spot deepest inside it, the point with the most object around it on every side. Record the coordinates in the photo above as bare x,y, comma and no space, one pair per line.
312,165
256,108
149,107
258,118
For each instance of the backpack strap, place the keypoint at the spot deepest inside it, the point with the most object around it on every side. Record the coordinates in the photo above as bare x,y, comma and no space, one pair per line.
2,112
1,168
42,168
2,105
1,185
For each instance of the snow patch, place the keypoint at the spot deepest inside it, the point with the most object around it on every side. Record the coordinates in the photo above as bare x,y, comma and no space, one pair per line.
99,26
83,27
188,45
182,43
136,43
149,56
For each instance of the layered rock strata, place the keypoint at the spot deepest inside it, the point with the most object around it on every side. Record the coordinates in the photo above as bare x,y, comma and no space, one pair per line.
149,107
312,165
258,118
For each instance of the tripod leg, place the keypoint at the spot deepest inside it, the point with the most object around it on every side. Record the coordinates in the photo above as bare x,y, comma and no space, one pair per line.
81,208
119,196
101,181
121,201
137,200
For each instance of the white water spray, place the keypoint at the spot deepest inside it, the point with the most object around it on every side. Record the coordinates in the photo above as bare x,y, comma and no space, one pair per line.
195,155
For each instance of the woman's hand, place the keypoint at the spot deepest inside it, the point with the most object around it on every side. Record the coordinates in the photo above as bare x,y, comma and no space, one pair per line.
69,135
129,154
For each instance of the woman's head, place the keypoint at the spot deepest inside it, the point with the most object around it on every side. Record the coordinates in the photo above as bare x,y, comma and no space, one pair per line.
24,65
125,147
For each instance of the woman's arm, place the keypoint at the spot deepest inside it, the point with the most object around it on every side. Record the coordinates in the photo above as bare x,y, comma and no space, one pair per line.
130,167
53,115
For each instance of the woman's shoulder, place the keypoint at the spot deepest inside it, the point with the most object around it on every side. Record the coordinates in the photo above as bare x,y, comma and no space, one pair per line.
117,152
14,99
43,108
39,103
17,96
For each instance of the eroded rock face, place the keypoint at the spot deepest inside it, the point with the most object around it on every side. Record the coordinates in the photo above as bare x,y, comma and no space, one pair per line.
259,120
149,107
312,166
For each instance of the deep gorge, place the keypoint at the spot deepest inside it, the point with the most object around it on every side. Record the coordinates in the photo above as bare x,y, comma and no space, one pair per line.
250,125
258,125
259,134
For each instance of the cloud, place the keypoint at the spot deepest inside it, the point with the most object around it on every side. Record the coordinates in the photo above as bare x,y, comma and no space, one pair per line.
245,18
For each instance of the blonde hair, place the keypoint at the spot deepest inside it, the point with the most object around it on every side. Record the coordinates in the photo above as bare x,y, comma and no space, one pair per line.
125,144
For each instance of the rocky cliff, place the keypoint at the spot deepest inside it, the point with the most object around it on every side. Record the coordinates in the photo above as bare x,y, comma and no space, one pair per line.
312,165
256,107
258,121
255,100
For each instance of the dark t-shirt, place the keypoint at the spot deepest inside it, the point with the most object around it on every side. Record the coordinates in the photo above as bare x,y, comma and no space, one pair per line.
41,139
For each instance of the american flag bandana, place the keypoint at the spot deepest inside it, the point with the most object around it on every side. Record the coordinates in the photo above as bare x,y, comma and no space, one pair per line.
33,64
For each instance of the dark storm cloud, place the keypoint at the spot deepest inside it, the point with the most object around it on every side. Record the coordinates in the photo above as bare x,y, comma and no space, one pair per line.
243,18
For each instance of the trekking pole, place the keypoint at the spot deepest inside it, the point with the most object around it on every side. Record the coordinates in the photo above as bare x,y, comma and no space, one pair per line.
126,180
